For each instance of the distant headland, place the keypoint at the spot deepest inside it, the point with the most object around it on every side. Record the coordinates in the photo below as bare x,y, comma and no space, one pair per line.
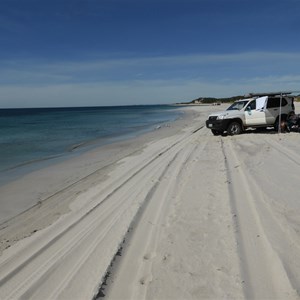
210,101
218,101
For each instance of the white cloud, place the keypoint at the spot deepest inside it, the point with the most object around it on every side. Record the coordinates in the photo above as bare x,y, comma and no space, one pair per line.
75,68
145,80
137,92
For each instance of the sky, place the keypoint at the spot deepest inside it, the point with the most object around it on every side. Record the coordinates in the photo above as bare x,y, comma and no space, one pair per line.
126,52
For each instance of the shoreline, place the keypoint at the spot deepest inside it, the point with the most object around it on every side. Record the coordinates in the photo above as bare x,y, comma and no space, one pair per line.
54,172
175,205
18,170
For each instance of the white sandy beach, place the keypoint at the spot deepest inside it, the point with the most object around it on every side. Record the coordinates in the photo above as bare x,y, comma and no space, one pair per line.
174,214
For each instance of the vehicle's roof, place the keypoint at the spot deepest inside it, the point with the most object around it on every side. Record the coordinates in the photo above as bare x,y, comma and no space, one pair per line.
273,96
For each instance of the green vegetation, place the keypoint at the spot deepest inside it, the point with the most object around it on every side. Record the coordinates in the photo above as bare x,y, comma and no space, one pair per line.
216,100
211,100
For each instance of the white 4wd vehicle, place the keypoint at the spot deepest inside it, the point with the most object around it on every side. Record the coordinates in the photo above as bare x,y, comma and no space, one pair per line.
252,112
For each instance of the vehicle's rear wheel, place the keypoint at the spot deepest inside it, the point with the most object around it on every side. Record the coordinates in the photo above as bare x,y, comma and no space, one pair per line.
234,128
216,132
283,123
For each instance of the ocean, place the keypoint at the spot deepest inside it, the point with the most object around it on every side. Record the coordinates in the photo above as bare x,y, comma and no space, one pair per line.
31,135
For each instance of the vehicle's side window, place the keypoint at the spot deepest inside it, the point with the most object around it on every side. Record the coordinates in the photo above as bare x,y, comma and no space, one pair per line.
252,105
284,102
275,102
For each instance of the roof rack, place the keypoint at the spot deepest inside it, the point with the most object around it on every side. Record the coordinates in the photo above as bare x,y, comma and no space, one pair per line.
268,94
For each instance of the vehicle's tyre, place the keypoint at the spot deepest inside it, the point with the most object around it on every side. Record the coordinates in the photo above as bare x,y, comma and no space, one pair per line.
234,128
283,126
283,123
216,132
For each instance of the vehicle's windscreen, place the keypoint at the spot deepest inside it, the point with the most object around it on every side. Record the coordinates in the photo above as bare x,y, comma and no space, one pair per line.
237,105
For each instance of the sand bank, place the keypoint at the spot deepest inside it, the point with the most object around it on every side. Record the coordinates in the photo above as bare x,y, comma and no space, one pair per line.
189,215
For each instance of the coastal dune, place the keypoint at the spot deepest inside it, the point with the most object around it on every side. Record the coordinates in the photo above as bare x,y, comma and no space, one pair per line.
174,214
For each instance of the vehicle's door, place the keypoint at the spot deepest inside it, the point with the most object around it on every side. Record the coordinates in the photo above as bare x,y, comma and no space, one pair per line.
273,109
255,112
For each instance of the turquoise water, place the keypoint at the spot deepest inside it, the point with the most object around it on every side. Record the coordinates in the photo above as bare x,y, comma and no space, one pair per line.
34,134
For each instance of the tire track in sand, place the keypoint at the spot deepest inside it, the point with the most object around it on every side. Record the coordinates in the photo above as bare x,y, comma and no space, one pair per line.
291,155
33,267
132,273
261,267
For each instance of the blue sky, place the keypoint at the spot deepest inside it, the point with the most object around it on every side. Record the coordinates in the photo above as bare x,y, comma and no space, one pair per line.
119,52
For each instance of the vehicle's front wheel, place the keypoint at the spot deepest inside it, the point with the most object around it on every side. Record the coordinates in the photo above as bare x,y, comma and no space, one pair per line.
234,128
216,132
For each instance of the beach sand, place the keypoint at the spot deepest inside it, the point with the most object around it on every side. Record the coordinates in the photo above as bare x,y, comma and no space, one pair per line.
174,214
